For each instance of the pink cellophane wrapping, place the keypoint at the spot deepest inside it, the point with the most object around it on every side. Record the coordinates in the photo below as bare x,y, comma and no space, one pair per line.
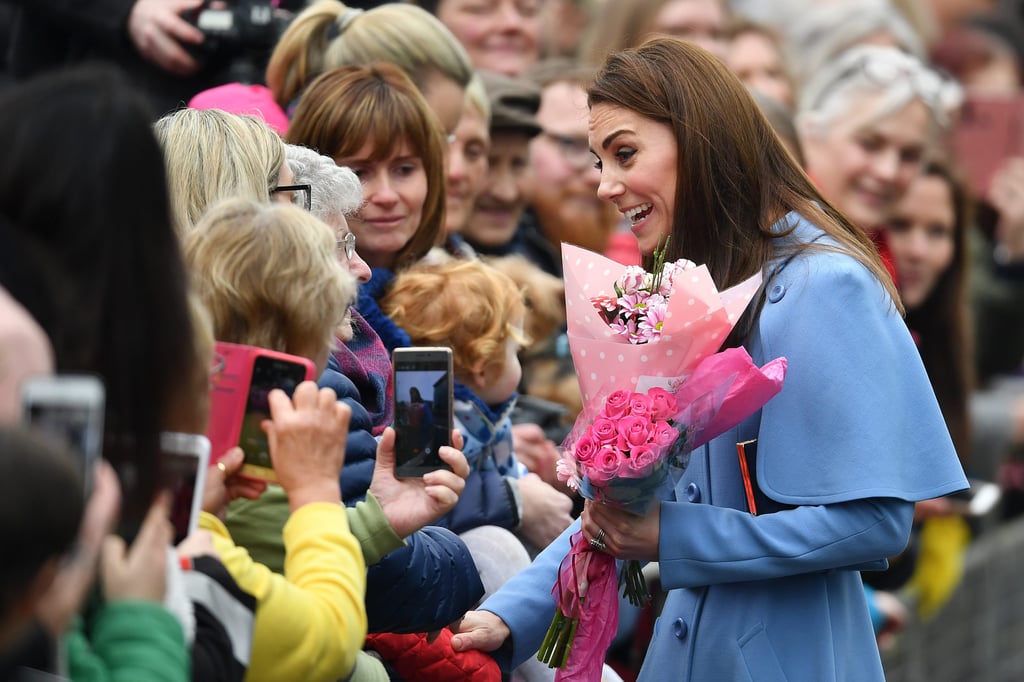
698,320
587,589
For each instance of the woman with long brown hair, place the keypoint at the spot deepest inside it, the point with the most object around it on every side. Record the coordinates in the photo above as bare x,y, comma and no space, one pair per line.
853,439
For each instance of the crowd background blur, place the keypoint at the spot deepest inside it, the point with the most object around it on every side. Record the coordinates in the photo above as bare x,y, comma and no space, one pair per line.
423,132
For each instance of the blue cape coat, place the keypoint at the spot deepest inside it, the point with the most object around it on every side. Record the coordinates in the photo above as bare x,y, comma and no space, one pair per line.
854,438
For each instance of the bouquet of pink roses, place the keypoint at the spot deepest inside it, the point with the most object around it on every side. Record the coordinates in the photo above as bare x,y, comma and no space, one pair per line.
654,389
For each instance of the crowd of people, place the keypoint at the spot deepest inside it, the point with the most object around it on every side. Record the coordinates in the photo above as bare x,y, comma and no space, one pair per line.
329,181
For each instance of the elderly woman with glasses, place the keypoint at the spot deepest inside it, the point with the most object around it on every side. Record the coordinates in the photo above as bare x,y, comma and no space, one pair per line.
427,578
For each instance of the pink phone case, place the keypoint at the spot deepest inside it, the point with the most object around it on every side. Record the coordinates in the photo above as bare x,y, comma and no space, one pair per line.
229,391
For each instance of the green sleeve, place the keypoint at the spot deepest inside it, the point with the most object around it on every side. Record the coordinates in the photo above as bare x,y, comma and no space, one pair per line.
372,530
131,640
258,525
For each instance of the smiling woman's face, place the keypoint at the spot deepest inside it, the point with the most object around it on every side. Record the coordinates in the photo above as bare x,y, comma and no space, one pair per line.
638,159
500,35
394,191
863,163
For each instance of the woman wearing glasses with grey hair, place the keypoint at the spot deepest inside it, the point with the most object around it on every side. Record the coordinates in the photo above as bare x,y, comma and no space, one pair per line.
428,581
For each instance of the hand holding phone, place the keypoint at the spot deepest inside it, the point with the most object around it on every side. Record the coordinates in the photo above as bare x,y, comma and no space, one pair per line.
307,435
423,380
223,484
978,500
184,458
238,401
70,409
139,572
411,503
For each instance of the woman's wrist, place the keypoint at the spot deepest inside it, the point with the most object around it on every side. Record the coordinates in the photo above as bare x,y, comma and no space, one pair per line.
321,491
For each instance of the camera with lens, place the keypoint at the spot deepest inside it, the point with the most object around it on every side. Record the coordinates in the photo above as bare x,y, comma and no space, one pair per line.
238,35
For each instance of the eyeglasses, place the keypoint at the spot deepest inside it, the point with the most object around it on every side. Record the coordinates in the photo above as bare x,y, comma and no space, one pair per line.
348,243
575,150
300,195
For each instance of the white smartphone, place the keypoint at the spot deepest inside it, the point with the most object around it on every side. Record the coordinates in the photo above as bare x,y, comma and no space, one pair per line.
423,408
69,408
184,458
978,500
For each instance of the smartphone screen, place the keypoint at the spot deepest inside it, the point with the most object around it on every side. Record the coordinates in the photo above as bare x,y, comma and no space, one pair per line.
423,409
70,410
183,461
268,373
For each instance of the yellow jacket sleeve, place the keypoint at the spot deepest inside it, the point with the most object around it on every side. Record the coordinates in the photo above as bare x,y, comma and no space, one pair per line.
311,622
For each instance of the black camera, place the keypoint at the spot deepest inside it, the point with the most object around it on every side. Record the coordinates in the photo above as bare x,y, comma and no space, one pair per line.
238,35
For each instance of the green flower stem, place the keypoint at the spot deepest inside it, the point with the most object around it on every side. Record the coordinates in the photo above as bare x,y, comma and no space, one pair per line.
554,650
632,582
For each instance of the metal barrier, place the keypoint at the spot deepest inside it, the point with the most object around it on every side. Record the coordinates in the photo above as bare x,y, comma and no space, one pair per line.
978,636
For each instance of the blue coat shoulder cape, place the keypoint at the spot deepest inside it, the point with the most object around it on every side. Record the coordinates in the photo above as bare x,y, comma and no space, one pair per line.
852,440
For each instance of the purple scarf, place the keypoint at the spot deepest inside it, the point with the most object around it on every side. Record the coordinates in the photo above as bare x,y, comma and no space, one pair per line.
365,361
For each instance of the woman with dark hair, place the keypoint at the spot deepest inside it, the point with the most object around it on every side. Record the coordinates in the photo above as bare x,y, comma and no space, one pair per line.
928,237
854,438
97,206
927,234
83,186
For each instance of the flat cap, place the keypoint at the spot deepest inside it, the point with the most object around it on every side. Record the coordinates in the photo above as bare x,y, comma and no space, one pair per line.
514,103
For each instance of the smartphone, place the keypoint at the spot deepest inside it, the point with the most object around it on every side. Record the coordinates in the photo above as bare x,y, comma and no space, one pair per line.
270,370
229,386
184,458
69,408
423,408
978,500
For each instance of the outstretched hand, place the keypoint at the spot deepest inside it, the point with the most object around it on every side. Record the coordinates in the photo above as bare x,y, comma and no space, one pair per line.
481,630
411,503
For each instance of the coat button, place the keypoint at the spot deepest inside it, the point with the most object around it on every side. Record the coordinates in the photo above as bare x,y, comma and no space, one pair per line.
693,492
776,293
680,628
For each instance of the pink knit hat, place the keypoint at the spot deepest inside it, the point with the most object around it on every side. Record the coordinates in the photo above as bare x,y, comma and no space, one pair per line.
237,98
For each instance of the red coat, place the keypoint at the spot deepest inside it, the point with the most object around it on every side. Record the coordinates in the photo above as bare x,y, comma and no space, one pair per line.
413,658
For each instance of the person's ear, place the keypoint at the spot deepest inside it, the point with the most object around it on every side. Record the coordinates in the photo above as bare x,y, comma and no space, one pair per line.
478,374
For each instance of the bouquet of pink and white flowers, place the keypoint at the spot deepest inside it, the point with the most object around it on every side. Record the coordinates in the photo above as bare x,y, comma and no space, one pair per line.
654,389
640,304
